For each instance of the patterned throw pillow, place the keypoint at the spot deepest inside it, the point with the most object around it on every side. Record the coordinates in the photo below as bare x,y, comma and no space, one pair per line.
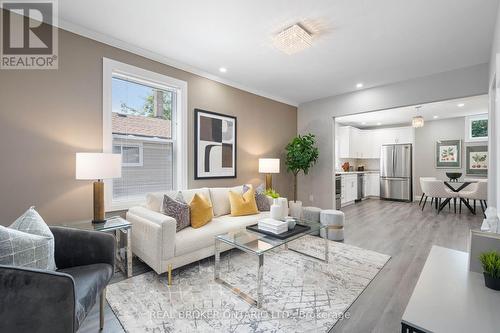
177,209
260,197
28,242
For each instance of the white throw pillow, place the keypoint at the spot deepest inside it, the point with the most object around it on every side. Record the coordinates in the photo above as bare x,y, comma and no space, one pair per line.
28,242
154,200
220,199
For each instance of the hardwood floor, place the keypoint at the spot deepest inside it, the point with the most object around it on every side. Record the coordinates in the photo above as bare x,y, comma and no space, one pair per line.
398,229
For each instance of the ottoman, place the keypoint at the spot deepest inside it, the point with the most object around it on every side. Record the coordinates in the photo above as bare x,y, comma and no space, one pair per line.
334,220
311,214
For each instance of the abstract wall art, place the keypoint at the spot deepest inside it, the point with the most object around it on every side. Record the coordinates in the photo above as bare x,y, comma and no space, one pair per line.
215,145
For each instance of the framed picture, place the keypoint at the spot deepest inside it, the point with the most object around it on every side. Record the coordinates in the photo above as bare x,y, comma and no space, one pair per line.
214,145
448,154
476,160
476,128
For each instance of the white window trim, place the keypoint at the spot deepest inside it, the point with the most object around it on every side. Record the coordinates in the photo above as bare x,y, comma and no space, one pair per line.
468,127
114,68
132,145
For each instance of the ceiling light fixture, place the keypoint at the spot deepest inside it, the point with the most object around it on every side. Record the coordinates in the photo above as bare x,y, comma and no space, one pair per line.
435,117
363,123
417,121
223,69
293,39
359,85
378,124
461,105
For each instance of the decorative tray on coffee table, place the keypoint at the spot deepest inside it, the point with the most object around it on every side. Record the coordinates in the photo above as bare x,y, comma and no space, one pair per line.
299,228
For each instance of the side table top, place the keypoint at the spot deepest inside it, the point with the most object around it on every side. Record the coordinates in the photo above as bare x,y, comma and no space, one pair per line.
112,223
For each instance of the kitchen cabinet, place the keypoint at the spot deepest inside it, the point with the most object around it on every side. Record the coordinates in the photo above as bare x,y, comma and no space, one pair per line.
349,184
372,185
357,143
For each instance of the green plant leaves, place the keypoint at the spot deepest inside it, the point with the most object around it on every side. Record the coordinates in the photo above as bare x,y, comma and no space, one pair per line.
301,154
491,263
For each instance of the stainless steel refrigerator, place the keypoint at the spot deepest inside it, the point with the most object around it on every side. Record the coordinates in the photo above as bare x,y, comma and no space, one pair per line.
396,172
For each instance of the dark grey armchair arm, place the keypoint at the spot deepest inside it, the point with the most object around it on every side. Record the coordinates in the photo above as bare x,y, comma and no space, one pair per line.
36,300
80,247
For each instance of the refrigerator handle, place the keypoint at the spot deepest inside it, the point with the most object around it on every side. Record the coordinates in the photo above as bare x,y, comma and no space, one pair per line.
393,161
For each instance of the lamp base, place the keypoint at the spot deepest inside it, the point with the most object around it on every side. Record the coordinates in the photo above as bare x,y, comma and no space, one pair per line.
269,181
99,202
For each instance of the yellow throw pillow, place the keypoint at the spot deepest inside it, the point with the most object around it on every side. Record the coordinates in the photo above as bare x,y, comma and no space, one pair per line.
243,204
201,211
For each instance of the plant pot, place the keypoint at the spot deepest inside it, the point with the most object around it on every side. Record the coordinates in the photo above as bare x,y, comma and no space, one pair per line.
491,282
296,209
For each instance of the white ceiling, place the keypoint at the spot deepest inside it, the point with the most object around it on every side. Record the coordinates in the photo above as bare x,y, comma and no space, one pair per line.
374,42
398,116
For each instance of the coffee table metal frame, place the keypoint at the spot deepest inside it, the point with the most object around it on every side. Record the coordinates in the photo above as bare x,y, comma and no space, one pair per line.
268,243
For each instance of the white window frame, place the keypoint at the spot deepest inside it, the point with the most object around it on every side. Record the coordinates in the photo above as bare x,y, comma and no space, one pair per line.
112,68
132,145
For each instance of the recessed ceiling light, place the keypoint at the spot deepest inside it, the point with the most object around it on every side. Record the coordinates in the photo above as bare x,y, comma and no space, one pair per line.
223,69
378,124
363,123
461,105
293,39
359,85
435,117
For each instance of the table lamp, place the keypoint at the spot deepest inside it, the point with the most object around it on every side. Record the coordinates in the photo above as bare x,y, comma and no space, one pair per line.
98,166
269,166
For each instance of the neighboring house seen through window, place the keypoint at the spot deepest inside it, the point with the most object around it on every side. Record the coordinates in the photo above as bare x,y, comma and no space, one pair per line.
143,116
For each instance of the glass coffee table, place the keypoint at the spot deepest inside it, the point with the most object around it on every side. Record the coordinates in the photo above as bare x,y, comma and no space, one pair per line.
258,244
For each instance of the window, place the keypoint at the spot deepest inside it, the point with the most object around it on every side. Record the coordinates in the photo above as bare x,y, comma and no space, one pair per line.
144,120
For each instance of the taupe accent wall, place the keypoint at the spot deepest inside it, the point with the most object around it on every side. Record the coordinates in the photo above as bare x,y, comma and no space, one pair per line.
46,116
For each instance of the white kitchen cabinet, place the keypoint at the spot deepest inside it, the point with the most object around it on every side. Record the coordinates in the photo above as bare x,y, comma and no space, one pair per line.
372,185
349,185
356,143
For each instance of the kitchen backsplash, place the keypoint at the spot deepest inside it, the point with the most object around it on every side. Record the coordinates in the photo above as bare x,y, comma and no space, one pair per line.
369,164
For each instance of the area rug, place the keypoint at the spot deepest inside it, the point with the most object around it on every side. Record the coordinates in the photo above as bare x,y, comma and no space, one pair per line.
301,294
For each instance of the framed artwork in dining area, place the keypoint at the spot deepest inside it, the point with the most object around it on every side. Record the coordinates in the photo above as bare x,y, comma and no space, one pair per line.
476,159
449,154
215,145
476,128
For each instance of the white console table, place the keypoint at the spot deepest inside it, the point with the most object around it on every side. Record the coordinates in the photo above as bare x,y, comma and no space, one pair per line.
450,298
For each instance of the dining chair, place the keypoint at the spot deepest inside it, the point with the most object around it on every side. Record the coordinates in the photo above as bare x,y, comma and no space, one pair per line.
422,179
476,191
436,189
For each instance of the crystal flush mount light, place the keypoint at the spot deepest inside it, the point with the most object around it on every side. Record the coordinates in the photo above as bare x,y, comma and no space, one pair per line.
293,39
417,122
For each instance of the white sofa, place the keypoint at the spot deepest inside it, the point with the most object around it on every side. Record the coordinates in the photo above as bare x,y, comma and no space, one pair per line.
155,241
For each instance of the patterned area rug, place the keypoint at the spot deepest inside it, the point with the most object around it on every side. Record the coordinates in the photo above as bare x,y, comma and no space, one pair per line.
301,294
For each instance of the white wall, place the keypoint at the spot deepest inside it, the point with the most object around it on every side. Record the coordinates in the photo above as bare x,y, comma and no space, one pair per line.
317,117
494,122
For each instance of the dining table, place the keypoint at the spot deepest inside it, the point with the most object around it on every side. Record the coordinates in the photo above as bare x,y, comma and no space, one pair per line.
457,186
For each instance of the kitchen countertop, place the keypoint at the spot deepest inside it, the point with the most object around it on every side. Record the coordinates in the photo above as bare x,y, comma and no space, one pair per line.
355,172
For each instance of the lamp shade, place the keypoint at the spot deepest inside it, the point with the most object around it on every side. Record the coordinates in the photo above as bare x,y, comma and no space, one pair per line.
93,166
269,165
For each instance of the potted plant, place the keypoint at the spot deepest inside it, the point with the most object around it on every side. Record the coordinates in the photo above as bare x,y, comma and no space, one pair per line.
301,155
491,269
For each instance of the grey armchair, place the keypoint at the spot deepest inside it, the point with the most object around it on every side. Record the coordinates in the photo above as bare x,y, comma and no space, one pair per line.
33,300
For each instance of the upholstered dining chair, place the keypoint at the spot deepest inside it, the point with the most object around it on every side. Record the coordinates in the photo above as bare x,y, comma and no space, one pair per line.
476,191
422,179
35,300
437,189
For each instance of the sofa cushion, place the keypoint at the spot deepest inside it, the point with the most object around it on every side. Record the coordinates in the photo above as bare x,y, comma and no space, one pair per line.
200,211
243,204
189,240
28,242
263,202
188,195
90,280
220,199
177,209
154,200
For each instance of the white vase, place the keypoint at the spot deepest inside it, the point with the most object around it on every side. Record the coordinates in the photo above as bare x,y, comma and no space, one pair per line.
296,209
276,210
284,206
